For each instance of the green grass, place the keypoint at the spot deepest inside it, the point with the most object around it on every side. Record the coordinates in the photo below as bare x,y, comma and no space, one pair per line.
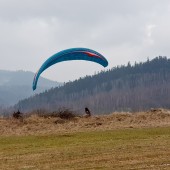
117,149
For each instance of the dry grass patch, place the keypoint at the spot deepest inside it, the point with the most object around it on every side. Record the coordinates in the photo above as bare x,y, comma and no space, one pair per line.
40,125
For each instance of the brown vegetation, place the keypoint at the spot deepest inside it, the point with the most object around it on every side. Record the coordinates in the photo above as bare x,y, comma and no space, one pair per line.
69,122
18,115
61,113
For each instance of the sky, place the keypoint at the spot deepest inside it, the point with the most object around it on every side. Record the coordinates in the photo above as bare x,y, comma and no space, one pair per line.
121,30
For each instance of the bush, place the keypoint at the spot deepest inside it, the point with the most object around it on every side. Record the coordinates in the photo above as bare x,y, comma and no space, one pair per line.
66,114
61,113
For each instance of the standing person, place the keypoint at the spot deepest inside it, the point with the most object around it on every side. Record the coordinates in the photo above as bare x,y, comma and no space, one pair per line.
87,111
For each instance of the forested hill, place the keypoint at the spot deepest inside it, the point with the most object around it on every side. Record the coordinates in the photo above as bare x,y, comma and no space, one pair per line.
124,88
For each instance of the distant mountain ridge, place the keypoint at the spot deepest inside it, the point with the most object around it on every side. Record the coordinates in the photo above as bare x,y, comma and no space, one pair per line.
17,85
123,88
20,77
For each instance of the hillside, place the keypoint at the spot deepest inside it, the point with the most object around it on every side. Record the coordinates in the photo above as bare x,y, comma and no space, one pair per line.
16,85
124,88
20,77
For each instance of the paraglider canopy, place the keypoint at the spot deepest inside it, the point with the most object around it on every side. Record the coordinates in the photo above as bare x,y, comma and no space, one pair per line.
70,54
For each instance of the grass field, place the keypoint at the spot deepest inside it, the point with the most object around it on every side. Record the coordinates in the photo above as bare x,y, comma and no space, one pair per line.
129,148
115,141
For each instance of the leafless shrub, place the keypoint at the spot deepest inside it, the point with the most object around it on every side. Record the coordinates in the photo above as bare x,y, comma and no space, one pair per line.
66,114
61,113
18,115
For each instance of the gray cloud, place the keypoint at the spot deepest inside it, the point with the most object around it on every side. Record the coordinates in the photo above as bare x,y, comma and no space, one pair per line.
124,30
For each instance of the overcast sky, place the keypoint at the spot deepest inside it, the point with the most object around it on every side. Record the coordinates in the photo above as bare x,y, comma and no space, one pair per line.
121,30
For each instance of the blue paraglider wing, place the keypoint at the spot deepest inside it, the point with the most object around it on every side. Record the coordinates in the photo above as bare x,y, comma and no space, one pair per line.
70,54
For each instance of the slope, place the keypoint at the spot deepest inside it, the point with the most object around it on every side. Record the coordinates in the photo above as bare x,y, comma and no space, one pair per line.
16,85
123,88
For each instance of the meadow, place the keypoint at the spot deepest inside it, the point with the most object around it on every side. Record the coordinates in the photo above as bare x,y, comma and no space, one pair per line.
95,147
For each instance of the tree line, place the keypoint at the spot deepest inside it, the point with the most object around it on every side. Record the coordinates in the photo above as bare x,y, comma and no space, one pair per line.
123,88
